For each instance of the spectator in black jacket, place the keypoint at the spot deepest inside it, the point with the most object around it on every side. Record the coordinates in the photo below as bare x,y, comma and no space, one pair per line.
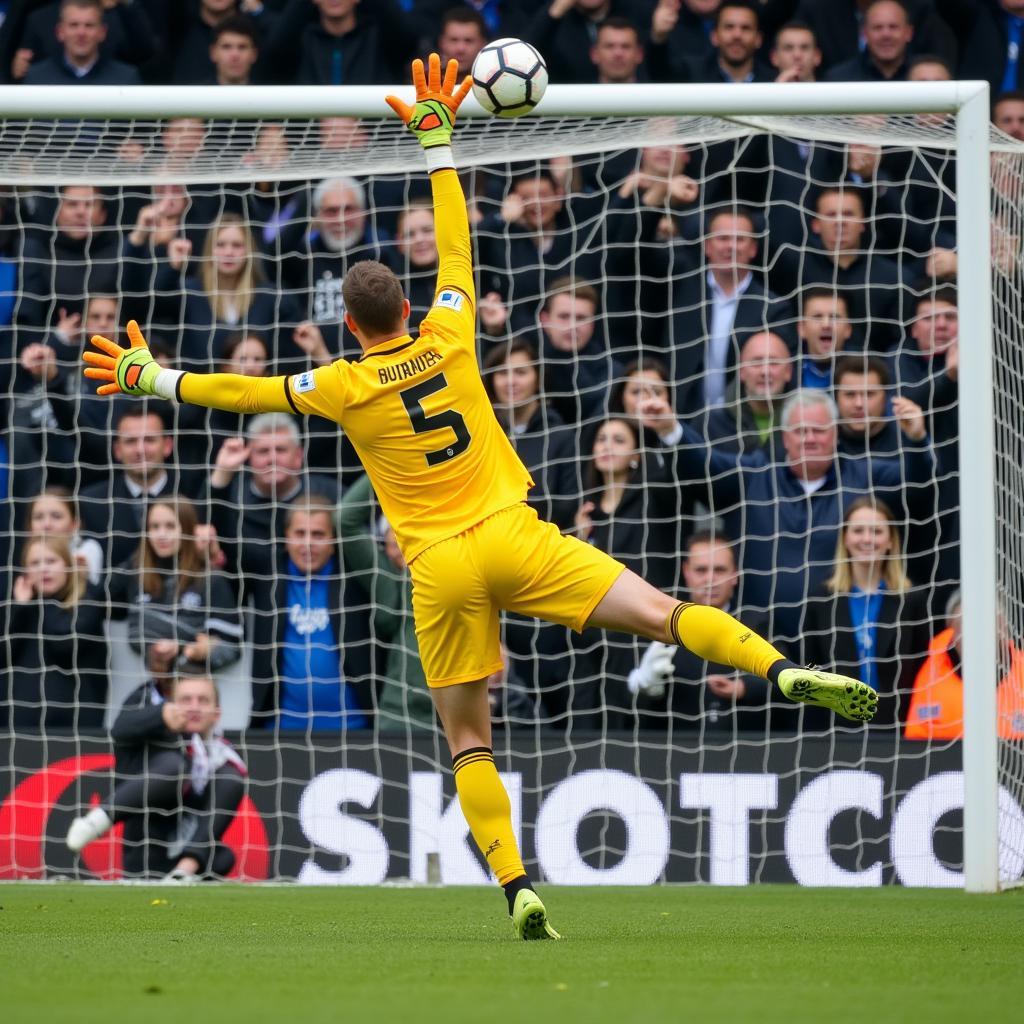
200,432
716,308
340,42
631,509
736,38
131,35
928,373
62,430
251,481
508,18
61,268
680,37
839,28
860,386
536,240
56,654
81,32
888,32
657,203
565,31
577,366
172,597
703,696
112,509
643,394
631,502
866,621
171,215
749,418
340,233
224,294
179,783
539,435
193,27
870,282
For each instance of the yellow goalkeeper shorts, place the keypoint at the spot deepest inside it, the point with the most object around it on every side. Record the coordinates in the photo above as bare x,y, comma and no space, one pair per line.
509,561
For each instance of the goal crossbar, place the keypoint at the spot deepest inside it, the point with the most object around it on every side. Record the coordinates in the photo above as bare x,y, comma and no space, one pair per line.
115,103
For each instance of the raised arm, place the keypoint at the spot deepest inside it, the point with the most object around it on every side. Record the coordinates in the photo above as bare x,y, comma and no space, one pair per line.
134,371
431,120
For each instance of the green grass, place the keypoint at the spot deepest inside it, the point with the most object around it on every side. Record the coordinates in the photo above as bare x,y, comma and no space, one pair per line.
766,953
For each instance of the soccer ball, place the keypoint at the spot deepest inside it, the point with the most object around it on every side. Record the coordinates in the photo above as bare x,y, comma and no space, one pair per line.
509,77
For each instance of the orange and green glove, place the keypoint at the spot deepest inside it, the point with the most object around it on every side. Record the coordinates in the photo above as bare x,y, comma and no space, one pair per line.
129,371
432,118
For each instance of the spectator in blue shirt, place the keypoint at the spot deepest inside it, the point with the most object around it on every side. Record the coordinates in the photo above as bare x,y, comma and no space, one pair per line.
300,632
866,620
824,329
990,34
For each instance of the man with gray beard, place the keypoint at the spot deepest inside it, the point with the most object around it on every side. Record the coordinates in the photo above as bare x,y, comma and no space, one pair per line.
340,234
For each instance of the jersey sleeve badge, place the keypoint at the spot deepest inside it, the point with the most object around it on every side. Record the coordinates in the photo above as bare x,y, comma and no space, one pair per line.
450,300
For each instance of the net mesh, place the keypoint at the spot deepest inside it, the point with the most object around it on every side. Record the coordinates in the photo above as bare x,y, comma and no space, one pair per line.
708,778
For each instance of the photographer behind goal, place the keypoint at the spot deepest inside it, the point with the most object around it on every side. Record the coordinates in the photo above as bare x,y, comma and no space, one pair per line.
179,782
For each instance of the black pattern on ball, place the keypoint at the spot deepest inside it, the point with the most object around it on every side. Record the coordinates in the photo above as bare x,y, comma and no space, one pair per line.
509,77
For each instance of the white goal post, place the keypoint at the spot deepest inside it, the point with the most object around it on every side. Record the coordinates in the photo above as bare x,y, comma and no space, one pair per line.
593,116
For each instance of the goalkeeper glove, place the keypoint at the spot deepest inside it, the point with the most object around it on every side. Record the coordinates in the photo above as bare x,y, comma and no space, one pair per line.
129,371
654,671
432,118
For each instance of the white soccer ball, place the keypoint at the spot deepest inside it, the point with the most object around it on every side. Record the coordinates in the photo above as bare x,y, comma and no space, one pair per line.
509,77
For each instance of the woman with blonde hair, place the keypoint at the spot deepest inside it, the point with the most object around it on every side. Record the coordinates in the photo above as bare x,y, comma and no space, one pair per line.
204,301
867,620
178,611
57,651
54,511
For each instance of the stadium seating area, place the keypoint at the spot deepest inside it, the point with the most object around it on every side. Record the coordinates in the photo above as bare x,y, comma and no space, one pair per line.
731,365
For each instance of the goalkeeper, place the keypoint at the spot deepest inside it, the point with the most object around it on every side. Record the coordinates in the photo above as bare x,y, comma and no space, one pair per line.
453,490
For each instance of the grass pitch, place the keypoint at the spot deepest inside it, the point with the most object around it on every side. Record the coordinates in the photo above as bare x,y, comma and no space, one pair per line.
416,956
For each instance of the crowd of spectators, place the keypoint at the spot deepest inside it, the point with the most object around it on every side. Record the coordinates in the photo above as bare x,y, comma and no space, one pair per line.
732,365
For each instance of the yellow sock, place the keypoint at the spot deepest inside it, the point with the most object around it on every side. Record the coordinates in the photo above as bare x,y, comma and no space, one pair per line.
716,636
488,811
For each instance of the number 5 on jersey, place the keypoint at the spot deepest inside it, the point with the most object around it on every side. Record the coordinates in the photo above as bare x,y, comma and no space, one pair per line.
448,419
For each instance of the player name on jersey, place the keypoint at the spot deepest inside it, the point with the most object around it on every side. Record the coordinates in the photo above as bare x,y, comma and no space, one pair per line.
409,367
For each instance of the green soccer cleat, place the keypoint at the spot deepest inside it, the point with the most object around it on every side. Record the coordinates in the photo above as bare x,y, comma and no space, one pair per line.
845,696
530,918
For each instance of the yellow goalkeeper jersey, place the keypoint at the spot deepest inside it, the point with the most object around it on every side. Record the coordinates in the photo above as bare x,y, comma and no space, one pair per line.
416,411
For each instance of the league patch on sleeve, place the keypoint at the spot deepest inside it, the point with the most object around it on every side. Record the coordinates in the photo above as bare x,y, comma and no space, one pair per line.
303,382
451,300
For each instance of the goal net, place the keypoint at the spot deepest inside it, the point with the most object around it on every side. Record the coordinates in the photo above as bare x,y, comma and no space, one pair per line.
727,347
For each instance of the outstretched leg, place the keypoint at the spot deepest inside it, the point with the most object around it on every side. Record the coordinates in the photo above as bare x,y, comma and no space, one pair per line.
633,605
465,713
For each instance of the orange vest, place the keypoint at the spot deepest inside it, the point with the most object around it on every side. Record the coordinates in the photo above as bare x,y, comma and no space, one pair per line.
937,700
